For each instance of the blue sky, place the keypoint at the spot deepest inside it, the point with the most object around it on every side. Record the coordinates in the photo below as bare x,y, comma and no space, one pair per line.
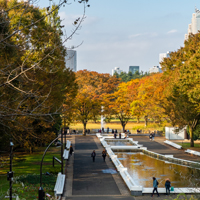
125,33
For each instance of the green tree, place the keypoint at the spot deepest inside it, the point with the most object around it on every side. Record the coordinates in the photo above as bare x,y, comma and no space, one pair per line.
183,93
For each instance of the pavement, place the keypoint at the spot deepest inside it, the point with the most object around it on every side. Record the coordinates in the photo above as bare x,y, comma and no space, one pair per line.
85,179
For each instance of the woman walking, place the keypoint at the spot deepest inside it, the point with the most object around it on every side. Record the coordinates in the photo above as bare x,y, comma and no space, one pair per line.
104,155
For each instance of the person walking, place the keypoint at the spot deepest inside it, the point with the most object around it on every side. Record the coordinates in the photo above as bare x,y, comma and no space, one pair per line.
93,155
153,136
71,150
155,187
120,135
104,155
150,136
167,186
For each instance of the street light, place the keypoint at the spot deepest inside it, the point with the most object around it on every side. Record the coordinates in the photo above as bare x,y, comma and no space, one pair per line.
41,191
10,173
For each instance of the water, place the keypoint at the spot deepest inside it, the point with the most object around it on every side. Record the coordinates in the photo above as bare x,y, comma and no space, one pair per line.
142,168
119,143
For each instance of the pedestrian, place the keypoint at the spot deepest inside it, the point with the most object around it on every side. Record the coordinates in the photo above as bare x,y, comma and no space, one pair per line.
104,155
71,150
167,186
115,135
120,135
150,136
155,187
107,129
93,155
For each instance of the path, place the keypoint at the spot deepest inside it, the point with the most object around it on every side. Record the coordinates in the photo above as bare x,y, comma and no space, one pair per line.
86,181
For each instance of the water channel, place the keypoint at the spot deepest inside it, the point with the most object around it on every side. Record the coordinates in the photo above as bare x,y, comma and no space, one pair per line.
118,143
142,168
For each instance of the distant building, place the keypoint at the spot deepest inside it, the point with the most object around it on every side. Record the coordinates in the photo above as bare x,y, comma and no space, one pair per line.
117,70
162,56
71,60
133,69
155,69
194,27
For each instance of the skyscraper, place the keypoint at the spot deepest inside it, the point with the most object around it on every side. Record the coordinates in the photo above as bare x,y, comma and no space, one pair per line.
133,69
194,27
71,60
162,56
117,70
155,69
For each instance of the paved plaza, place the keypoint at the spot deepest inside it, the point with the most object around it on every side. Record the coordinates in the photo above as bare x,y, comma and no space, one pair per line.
85,179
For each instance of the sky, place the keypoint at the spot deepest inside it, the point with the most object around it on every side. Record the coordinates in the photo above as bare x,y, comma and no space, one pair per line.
118,33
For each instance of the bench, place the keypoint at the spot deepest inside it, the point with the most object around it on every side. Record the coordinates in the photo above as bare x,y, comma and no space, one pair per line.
66,154
197,153
68,144
60,182
173,144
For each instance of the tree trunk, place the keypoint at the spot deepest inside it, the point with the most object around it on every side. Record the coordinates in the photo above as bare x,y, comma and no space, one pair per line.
84,129
191,137
138,120
123,127
146,120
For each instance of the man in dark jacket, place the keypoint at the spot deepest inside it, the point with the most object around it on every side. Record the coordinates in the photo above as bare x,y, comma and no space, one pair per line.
93,155
167,186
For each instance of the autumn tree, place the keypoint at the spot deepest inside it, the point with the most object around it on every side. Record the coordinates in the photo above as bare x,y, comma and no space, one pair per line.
119,104
92,87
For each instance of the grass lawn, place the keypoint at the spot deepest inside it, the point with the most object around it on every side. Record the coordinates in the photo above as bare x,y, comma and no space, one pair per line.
186,145
131,126
26,168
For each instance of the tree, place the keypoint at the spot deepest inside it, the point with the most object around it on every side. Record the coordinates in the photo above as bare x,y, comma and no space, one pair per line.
92,87
34,80
183,94
119,104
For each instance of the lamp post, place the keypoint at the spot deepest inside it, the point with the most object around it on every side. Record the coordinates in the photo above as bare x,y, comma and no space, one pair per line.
41,191
10,173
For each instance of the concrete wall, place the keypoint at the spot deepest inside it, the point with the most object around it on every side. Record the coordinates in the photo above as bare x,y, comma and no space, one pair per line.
170,135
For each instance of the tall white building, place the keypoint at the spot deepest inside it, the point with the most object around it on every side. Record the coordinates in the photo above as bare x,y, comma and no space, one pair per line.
155,69
117,69
194,27
162,56
71,60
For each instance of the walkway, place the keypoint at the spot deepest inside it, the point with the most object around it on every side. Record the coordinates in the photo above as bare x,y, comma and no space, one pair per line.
158,146
85,179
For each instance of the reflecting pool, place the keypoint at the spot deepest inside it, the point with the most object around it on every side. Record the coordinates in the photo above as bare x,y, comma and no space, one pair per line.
142,168
119,143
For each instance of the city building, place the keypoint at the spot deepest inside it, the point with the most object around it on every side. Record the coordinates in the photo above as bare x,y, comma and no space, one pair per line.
133,69
194,27
162,56
117,70
155,69
71,60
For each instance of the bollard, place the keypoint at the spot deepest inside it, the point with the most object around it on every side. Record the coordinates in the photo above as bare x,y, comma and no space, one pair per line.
41,193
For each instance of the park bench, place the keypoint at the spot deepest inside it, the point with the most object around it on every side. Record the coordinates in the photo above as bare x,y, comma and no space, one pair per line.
60,182
197,153
173,144
66,154
68,144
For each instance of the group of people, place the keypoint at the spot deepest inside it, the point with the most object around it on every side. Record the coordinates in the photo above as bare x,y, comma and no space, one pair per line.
93,155
155,186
